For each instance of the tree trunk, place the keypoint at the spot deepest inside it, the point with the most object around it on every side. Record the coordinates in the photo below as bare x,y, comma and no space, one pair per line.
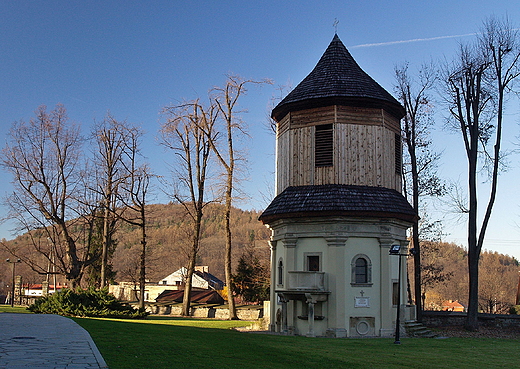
229,281
417,272
104,251
471,323
142,271
415,237
186,300
75,265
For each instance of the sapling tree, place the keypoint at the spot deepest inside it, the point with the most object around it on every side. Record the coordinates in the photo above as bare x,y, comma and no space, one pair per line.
420,174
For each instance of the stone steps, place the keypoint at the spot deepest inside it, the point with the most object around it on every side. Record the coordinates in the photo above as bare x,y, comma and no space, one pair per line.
416,329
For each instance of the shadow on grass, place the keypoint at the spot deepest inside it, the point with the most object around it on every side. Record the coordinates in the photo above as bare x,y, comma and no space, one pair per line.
184,342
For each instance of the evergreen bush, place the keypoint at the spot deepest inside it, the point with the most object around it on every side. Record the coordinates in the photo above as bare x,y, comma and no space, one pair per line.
251,280
515,310
85,303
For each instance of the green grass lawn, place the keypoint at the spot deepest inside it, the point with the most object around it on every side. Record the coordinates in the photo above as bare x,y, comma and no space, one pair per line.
15,309
164,342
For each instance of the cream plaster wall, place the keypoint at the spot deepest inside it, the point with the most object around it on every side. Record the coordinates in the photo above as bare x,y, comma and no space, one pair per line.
339,240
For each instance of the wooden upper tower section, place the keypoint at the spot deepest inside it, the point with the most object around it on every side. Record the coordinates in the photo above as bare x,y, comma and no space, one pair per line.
338,127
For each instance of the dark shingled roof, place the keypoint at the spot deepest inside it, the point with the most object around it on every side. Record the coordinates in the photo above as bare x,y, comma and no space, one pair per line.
198,296
337,80
211,279
339,200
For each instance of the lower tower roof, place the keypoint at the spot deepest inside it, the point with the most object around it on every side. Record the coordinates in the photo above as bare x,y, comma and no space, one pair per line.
339,200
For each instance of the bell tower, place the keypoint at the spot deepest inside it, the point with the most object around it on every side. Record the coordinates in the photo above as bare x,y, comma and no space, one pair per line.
338,206
338,126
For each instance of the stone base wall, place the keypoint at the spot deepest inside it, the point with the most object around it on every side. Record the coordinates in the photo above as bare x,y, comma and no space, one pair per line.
447,318
248,313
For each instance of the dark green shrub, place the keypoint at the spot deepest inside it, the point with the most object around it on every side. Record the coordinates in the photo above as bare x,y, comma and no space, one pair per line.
84,303
251,281
515,310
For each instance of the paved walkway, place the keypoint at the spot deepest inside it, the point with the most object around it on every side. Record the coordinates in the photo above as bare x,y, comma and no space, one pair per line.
45,341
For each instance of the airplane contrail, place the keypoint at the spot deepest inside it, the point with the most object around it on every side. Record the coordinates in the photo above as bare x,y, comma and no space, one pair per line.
413,40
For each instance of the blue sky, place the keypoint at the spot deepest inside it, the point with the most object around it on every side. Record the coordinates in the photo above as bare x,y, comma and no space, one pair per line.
133,58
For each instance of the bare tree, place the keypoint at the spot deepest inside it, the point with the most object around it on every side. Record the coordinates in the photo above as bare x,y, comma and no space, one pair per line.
43,157
91,235
496,287
226,100
188,132
422,164
477,86
134,194
110,138
282,91
432,271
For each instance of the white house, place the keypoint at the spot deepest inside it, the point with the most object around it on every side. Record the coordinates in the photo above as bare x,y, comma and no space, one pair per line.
37,290
201,279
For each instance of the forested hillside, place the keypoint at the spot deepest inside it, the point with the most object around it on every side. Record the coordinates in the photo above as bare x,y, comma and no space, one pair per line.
445,277
445,274
168,238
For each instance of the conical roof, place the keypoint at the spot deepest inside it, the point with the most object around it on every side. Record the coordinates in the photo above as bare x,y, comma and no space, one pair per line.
337,80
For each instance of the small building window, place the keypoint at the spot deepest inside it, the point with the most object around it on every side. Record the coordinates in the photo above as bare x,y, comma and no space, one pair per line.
280,271
323,146
398,154
312,261
361,270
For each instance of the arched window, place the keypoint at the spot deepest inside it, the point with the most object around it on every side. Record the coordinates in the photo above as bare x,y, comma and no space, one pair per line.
361,270
280,271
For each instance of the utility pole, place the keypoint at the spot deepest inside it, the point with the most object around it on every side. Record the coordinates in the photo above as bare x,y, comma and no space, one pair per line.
518,291
14,271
